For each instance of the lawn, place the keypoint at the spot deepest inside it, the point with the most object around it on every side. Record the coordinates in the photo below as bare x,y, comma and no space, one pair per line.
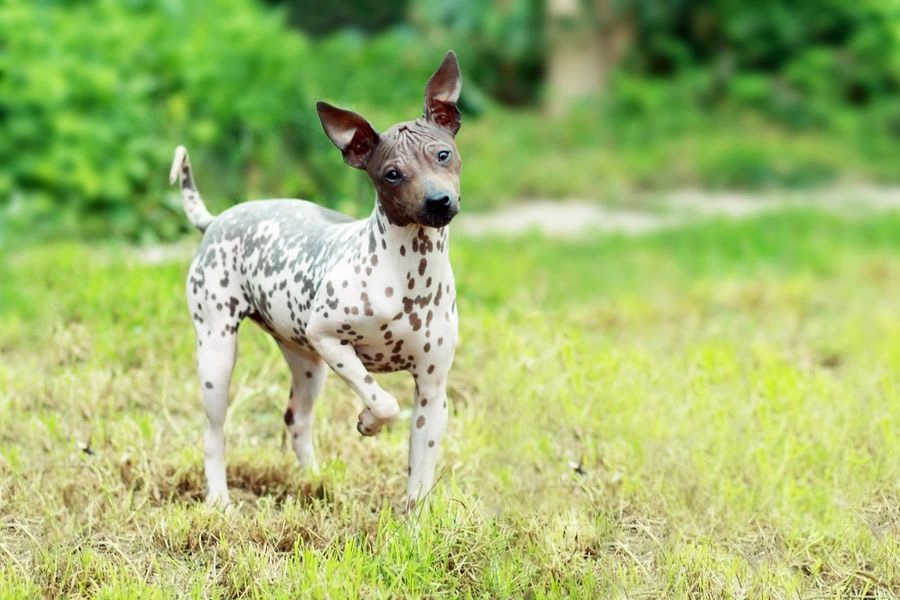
705,412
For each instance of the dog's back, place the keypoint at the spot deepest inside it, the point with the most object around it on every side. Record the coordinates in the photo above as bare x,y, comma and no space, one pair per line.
266,259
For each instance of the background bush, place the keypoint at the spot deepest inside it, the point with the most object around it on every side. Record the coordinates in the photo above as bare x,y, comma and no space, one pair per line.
95,94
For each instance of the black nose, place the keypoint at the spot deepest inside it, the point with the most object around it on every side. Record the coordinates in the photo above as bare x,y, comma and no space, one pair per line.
437,202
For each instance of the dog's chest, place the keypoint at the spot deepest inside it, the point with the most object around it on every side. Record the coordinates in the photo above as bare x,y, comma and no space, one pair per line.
398,311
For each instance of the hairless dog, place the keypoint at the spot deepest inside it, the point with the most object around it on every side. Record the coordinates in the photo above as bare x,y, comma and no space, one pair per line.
356,296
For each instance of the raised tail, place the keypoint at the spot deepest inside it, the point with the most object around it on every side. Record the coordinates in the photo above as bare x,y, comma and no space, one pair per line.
190,198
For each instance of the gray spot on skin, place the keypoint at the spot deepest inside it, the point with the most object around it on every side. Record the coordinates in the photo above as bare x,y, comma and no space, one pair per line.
420,422
209,385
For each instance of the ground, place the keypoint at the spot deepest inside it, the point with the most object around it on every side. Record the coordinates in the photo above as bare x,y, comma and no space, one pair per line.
704,411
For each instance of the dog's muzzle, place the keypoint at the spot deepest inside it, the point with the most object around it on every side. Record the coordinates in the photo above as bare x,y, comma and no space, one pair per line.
439,209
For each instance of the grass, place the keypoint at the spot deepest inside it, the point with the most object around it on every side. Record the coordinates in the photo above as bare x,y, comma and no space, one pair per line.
600,157
708,412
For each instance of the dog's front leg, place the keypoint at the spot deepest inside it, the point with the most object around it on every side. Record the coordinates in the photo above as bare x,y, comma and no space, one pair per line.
428,425
381,407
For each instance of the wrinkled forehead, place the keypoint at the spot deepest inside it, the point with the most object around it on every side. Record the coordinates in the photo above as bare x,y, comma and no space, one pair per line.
411,140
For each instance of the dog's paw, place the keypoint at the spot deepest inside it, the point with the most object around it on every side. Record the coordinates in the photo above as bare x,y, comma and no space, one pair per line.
218,498
368,424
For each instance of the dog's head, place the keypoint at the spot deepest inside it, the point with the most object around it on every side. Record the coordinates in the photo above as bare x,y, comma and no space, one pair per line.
415,165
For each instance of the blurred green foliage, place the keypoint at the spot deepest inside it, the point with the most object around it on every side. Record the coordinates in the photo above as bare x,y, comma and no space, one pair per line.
318,18
94,95
809,63
505,40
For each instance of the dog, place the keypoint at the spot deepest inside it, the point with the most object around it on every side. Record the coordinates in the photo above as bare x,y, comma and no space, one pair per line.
355,296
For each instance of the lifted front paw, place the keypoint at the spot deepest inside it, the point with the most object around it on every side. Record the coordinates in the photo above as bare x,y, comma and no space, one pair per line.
368,424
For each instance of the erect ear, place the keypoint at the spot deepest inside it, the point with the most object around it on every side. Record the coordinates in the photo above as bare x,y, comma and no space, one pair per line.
442,94
350,132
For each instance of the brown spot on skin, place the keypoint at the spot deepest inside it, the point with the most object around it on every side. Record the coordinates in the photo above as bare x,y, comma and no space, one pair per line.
402,250
411,284
389,291
420,422
415,321
309,374
424,401
430,369
427,347
428,282
431,443
388,335
368,379
289,417
422,264
354,311
209,385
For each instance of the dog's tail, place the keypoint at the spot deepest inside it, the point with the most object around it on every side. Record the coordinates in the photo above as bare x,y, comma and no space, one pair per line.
193,204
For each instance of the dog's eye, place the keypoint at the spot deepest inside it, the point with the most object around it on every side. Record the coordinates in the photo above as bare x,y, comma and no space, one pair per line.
393,176
443,156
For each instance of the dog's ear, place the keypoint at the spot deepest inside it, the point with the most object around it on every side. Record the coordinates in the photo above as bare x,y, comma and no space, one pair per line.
350,132
442,94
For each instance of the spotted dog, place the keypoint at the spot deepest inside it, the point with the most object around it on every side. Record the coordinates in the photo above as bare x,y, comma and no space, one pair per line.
356,296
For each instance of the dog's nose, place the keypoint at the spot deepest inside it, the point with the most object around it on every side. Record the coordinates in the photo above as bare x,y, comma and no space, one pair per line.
438,201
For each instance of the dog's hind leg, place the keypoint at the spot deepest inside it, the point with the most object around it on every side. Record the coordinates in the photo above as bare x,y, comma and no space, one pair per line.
308,374
216,353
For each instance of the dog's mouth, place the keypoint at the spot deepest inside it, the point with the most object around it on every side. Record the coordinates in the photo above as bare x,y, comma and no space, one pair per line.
438,219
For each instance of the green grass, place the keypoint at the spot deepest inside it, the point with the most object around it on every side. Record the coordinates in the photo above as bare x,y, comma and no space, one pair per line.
598,156
728,392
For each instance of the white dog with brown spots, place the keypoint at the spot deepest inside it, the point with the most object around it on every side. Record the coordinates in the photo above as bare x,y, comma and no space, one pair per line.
357,296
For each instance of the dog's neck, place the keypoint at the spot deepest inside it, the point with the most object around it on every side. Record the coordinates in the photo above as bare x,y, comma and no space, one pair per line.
409,243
